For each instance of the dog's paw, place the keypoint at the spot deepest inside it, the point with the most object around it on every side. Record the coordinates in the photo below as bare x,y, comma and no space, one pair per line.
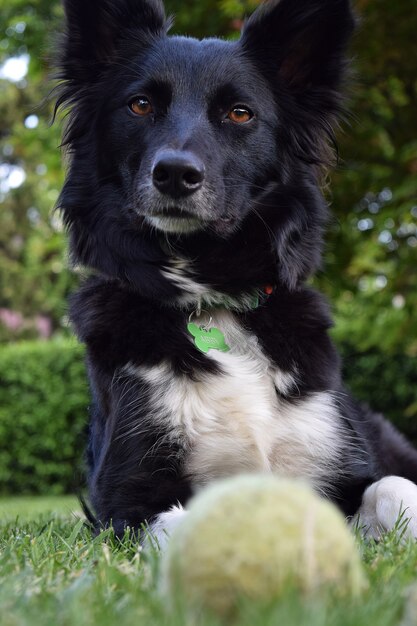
386,502
161,529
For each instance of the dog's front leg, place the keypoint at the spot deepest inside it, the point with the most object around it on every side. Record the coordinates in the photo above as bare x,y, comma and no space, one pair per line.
161,528
386,503
147,502
135,475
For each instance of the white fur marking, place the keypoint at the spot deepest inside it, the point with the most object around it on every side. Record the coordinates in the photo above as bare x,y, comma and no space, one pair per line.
178,272
163,526
236,422
382,504
175,225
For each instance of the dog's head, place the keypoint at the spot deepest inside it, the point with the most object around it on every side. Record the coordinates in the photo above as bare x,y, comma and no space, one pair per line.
200,140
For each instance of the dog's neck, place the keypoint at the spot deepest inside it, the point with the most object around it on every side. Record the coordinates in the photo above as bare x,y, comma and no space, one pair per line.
212,299
212,274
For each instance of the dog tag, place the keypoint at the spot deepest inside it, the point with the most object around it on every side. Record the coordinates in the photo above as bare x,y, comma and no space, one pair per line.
205,340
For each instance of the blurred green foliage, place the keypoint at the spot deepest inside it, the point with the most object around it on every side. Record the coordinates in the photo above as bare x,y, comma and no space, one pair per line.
33,275
386,382
371,269
43,409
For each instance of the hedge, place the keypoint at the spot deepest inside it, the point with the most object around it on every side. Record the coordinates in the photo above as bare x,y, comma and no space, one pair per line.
44,406
385,382
43,409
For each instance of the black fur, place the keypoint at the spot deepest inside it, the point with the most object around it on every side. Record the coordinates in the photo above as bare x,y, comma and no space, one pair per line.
262,211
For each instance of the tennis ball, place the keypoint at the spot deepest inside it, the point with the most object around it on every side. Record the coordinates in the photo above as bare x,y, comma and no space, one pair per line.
410,609
254,537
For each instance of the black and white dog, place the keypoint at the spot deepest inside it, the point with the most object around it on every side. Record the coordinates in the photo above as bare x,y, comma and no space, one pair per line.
193,194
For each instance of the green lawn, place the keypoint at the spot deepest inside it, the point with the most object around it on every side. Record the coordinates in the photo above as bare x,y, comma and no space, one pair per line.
26,508
53,572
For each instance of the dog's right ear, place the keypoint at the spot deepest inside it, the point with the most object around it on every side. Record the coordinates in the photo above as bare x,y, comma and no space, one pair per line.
303,42
95,29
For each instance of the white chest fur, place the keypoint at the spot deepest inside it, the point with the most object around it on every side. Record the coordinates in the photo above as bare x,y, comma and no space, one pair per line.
237,422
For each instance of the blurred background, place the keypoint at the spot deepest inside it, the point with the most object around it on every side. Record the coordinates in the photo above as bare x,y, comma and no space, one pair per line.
371,256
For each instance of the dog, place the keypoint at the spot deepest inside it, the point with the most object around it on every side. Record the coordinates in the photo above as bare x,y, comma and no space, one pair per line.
193,197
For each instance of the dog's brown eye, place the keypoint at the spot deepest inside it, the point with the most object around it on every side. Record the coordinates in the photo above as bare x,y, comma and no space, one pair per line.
240,115
141,106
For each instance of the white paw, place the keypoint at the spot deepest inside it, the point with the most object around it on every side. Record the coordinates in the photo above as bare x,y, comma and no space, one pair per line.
383,503
161,529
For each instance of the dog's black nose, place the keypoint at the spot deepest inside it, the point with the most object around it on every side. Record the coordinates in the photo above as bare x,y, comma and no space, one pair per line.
177,173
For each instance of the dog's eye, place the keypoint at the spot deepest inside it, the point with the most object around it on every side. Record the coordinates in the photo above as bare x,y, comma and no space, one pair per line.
240,115
141,106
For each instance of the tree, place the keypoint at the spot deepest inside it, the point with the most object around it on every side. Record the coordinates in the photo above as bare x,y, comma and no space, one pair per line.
33,278
371,270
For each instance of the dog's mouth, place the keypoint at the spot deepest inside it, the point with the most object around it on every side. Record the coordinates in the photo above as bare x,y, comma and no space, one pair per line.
173,213
175,220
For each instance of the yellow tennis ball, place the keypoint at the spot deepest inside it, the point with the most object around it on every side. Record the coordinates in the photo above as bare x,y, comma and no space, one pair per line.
410,609
254,537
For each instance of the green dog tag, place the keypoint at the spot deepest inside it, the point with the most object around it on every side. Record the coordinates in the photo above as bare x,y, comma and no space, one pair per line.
205,340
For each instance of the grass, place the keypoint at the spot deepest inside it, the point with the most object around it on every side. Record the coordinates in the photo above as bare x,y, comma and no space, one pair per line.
53,572
26,508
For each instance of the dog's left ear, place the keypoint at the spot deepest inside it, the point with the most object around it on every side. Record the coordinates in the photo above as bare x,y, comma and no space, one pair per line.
303,42
95,29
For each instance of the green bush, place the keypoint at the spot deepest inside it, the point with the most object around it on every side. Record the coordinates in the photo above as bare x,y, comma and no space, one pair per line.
385,382
43,416
44,400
